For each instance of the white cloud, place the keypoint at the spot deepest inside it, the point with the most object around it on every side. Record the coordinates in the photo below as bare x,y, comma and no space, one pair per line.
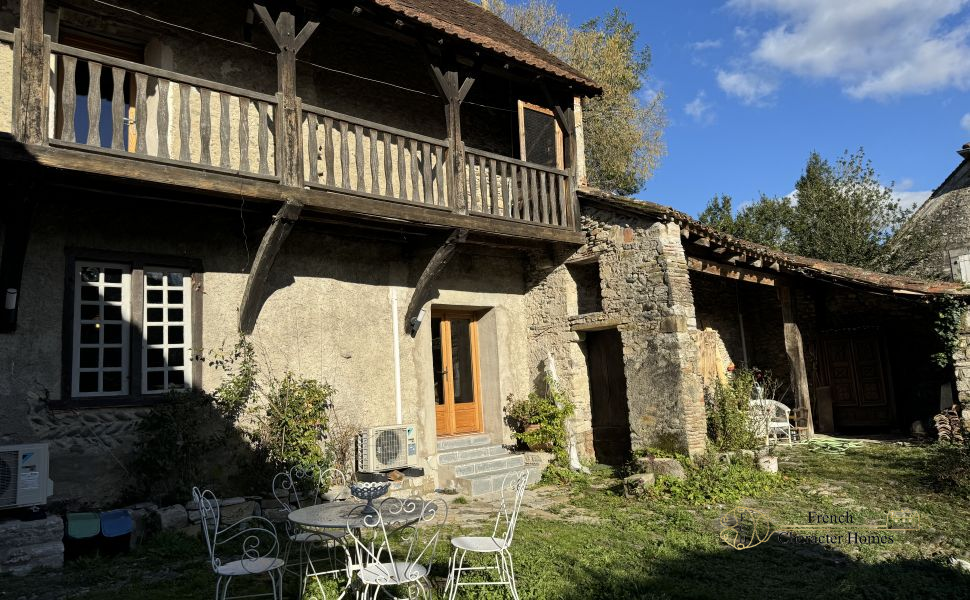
876,48
705,45
914,199
743,33
699,109
965,122
750,88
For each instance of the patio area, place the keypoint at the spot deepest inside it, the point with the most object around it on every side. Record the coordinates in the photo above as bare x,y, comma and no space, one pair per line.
586,540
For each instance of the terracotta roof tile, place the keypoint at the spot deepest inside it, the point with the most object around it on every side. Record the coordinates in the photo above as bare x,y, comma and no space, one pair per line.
474,24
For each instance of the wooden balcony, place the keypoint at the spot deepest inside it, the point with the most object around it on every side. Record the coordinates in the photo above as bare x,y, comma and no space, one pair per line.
166,128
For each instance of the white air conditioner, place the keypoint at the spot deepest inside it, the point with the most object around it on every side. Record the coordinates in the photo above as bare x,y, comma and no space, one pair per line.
24,475
387,448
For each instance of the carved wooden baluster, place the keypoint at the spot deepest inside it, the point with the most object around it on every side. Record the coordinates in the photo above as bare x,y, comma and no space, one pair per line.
224,130
472,182
388,166
546,216
94,104
344,157
141,113
244,134
359,155
483,182
535,207
415,169
504,181
328,157
375,168
439,169
117,108
163,118
426,173
514,208
493,182
185,122
68,98
401,170
262,138
205,127
312,153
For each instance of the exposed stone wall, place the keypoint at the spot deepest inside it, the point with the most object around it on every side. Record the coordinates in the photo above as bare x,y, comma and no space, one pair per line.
646,296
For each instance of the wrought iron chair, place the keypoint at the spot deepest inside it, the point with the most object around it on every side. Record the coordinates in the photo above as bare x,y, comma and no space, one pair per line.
247,547
771,418
397,544
499,543
290,488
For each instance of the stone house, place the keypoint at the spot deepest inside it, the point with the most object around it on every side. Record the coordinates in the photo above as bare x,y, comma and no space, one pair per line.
396,206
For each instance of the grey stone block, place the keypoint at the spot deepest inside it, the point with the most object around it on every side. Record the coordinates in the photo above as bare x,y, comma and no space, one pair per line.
669,467
636,486
27,533
172,517
21,559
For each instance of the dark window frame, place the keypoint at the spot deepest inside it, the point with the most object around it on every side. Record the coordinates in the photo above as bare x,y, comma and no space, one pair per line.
137,263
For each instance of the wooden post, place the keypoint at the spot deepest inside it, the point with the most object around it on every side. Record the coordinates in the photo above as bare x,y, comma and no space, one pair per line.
289,145
796,355
566,118
453,93
31,74
431,271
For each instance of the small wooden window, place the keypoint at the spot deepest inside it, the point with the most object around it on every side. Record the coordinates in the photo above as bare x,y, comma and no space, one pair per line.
540,138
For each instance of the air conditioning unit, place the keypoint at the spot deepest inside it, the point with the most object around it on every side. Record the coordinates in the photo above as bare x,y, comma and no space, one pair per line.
24,475
387,448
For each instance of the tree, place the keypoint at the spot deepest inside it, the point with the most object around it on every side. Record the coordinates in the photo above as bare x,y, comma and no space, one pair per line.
763,222
623,133
840,212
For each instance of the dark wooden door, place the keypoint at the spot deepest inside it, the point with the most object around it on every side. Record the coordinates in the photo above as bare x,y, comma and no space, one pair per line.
607,394
856,373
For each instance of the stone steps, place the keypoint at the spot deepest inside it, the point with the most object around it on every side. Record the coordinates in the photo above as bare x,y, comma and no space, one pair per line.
474,466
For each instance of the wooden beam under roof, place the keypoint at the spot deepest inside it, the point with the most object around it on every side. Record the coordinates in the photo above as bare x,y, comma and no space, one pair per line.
711,267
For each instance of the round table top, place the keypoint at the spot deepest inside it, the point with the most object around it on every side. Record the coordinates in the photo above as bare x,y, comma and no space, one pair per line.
337,514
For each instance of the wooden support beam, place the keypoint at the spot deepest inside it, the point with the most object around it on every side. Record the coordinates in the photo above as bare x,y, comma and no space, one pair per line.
729,271
289,143
31,75
442,255
16,213
269,247
453,92
796,355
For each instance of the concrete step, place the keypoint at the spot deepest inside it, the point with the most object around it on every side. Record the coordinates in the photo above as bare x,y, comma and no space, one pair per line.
471,453
491,482
501,462
463,441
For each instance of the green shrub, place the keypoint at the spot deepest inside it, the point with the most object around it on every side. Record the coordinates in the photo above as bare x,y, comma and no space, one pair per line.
728,412
713,482
539,421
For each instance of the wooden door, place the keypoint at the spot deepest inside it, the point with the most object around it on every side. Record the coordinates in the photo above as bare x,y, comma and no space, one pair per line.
457,387
607,394
855,371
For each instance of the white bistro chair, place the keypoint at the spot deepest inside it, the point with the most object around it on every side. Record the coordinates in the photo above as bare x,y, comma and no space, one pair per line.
770,419
499,543
397,545
301,487
247,547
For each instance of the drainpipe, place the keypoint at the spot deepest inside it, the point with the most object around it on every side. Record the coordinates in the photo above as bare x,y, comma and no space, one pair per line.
397,357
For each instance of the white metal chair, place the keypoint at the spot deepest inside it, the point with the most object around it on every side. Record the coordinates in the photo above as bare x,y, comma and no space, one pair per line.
499,543
247,547
397,545
771,418
301,487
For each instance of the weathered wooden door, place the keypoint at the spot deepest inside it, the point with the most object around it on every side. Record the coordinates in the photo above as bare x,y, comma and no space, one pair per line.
454,339
856,373
607,394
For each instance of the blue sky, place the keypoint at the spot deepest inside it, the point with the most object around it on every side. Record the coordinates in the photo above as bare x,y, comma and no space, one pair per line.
753,86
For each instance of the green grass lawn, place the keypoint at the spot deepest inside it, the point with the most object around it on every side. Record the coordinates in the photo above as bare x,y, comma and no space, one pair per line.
596,544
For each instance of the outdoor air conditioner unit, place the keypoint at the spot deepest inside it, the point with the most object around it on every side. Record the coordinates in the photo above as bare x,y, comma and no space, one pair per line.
24,475
387,448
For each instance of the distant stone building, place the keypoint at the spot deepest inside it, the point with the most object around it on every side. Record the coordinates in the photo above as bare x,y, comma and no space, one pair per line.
945,217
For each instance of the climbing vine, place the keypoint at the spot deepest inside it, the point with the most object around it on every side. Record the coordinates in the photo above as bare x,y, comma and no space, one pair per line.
947,325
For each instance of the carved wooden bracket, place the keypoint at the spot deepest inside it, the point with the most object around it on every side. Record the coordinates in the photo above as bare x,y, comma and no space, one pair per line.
269,247
442,255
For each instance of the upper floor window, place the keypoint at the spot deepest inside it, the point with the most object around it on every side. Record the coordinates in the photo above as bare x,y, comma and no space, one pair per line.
132,329
961,267
540,138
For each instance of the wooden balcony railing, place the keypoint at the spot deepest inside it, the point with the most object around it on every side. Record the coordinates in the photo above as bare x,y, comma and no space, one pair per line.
160,115
95,103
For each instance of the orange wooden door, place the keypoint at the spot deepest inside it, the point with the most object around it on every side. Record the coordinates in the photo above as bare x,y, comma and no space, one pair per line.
456,373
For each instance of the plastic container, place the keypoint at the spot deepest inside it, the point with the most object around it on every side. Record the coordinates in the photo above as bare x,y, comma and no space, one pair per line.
81,535
116,530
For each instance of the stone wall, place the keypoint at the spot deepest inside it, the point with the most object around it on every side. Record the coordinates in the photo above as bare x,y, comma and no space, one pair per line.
646,296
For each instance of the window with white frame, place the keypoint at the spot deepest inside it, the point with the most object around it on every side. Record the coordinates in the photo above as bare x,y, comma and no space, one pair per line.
167,340
131,329
101,329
